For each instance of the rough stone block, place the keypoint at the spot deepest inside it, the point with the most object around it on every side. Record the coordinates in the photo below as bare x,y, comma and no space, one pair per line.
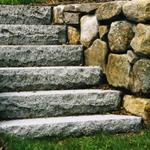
137,10
21,14
48,78
141,42
120,36
118,70
32,35
137,106
39,55
61,127
14,105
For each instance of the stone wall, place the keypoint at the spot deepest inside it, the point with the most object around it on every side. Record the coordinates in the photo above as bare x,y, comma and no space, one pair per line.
116,37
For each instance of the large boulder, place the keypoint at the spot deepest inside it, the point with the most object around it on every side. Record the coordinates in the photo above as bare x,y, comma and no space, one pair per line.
118,70
89,29
109,10
96,55
141,41
137,10
137,106
120,36
141,77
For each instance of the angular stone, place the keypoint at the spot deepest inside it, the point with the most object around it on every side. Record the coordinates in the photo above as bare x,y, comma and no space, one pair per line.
137,106
132,57
39,55
141,76
137,10
48,78
120,36
73,35
71,18
32,34
61,127
109,10
97,54
118,70
141,41
89,29
57,103
103,30
21,14
58,17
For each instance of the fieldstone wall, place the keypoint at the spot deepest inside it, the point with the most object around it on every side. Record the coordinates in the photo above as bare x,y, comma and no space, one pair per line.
116,37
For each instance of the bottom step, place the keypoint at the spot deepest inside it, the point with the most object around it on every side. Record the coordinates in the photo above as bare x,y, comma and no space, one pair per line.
70,126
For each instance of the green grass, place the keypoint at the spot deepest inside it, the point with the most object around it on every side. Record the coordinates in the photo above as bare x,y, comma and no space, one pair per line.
140,141
13,2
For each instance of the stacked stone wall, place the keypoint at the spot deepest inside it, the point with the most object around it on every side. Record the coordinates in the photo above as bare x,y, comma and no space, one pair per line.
116,37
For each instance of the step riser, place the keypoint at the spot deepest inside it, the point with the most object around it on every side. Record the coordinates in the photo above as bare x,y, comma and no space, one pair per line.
32,34
48,78
57,103
70,126
16,56
25,14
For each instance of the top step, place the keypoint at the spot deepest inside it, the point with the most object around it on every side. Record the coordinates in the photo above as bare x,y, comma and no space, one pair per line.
40,15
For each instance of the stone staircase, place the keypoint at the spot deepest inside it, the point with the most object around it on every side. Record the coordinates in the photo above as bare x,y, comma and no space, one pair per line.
45,89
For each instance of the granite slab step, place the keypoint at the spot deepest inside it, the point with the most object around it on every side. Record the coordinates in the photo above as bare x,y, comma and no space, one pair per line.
32,34
23,14
48,78
40,55
19,105
74,126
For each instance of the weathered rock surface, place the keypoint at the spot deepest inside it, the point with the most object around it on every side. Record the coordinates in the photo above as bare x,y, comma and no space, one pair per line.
57,103
103,31
141,41
70,126
97,54
109,10
141,76
32,34
71,18
137,106
58,17
120,36
48,78
137,10
20,14
118,70
73,35
132,57
89,29
82,8
39,55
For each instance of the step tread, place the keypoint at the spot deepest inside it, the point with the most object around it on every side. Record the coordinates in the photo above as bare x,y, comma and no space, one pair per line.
40,55
32,34
18,105
74,125
22,14
49,78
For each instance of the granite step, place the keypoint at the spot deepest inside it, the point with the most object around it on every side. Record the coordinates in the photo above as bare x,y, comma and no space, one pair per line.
73,126
25,14
32,34
19,105
41,55
48,78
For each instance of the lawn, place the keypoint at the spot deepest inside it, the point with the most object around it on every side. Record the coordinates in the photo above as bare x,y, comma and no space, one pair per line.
14,2
139,141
